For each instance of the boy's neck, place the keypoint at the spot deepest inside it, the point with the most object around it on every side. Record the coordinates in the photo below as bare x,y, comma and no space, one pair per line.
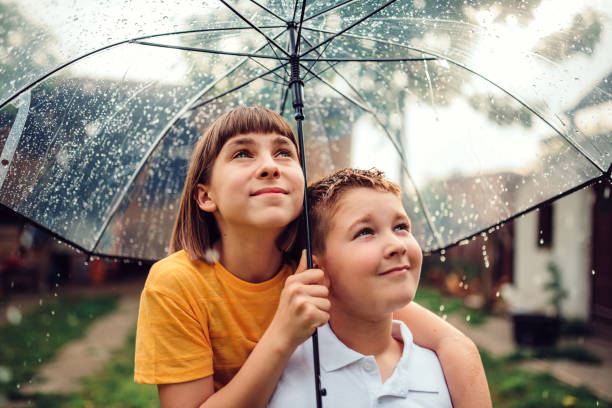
250,256
371,338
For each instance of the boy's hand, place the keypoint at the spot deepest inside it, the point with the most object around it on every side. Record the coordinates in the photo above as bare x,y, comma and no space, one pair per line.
303,305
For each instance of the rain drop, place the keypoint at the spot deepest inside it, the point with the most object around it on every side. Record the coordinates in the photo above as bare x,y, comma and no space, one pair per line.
467,318
593,272
13,315
441,308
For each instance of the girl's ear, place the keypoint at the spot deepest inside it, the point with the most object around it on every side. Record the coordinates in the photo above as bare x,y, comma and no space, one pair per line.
205,202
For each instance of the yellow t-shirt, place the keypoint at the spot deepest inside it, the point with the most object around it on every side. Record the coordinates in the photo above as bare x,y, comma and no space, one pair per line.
197,320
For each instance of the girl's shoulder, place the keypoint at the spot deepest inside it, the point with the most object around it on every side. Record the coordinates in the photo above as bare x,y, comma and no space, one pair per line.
176,268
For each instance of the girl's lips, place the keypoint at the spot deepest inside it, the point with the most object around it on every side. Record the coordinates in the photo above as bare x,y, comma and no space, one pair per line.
269,190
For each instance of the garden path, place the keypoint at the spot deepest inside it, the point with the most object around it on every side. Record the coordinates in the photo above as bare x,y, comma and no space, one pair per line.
84,357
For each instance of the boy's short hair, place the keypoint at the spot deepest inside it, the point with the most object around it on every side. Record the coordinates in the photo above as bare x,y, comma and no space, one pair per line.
196,231
323,196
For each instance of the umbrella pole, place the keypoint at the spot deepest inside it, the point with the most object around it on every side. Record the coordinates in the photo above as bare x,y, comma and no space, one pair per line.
296,84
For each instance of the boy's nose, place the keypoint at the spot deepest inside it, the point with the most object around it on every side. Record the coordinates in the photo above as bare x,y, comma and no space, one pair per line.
395,246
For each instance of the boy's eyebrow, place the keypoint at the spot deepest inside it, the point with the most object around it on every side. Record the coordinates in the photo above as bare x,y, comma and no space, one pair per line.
362,220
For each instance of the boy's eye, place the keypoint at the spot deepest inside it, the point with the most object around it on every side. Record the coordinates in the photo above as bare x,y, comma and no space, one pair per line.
241,154
402,227
364,232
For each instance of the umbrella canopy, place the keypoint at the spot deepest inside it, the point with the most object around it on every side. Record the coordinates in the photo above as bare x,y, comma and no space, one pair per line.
480,110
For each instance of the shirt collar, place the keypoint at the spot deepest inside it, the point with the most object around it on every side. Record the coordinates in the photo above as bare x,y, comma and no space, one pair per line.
334,354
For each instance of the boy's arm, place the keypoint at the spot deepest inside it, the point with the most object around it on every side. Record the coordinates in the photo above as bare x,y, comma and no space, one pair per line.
458,355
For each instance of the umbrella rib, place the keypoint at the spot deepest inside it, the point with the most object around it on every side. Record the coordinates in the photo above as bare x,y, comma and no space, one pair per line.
268,10
399,59
319,54
330,9
330,66
299,34
397,149
284,101
274,82
263,66
295,6
208,51
361,20
246,20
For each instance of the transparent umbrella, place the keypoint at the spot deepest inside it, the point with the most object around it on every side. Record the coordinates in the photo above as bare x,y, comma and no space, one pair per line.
481,110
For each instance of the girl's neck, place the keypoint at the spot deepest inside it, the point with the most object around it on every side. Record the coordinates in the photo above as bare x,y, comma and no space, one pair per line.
251,256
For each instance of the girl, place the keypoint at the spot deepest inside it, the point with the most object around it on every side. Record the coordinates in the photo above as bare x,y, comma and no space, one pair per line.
222,314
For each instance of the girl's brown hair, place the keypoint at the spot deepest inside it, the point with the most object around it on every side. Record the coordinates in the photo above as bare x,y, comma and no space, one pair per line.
195,230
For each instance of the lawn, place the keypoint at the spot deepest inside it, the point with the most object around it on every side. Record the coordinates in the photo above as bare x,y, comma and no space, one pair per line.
442,305
34,338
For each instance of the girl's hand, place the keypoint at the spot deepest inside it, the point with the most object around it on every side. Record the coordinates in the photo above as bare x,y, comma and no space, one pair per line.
303,306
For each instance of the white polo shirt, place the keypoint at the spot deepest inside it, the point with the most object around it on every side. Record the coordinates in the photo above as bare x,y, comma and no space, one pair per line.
352,379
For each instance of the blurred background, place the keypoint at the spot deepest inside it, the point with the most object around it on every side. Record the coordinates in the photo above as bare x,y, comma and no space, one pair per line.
499,133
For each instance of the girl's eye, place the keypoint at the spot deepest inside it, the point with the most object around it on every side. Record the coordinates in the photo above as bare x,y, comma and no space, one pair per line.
284,153
402,227
241,154
364,232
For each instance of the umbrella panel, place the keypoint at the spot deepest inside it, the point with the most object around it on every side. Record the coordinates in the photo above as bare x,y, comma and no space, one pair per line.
87,134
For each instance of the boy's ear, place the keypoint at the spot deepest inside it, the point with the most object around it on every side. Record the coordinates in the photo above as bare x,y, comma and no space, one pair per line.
204,200
317,263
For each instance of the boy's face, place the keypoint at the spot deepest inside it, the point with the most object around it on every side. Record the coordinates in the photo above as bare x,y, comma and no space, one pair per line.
371,258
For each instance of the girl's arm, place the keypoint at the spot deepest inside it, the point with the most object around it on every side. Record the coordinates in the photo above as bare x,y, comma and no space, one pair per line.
458,355
303,306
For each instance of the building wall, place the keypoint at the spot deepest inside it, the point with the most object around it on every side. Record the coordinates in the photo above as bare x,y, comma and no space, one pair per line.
570,250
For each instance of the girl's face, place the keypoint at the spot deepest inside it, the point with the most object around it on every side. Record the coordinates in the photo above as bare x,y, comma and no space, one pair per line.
256,181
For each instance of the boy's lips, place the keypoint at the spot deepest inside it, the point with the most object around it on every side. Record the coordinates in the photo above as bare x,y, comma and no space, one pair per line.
269,190
396,271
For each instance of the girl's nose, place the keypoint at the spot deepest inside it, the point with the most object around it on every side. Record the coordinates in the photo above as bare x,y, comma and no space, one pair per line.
268,169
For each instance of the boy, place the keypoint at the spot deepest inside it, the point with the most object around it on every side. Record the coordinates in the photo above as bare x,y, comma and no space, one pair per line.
362,241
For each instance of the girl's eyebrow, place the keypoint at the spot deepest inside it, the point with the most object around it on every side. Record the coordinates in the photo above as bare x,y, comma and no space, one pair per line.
241,141
281,140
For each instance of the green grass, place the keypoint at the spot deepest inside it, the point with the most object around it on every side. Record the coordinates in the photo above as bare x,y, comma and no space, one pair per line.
40,333
113,387
574,352
432,300
513,387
